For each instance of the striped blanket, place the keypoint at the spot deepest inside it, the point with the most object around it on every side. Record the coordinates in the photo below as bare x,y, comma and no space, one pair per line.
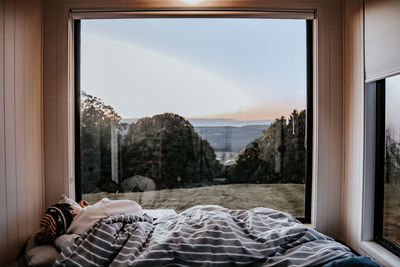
203,236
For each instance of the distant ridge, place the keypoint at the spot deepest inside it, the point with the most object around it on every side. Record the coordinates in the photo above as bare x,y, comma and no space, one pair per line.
227,122
205,122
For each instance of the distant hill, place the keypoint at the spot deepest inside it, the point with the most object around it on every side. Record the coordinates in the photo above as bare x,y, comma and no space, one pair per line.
167,149
228,122
225,135
214,122
229,138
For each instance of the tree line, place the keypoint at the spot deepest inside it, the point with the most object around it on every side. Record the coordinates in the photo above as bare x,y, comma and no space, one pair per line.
392,158
167,149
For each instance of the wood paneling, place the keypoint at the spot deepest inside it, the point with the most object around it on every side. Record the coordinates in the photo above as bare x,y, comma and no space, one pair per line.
335,115
3,184
353,122
21,160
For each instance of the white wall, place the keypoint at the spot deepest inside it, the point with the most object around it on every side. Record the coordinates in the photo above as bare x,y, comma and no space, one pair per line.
21,176
353,86
358,182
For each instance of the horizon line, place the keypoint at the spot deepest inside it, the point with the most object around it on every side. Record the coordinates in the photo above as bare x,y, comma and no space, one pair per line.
202,118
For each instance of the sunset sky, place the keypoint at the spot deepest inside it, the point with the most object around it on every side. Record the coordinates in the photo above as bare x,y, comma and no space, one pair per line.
245,69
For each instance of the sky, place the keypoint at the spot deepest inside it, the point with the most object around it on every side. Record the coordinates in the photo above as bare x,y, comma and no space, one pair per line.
392,106
243,69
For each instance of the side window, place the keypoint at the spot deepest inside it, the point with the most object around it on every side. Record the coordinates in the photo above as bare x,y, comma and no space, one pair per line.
387,180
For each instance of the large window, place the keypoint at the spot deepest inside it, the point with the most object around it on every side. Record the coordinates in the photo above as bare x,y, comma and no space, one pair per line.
387,189
177,112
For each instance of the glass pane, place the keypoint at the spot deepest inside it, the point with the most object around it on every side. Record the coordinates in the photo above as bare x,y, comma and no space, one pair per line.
183,112
391,217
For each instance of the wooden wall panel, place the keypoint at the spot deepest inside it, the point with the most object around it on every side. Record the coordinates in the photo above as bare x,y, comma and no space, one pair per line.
21,145
9,119
53,172
3,208
19,107
353,122
335,115
34,92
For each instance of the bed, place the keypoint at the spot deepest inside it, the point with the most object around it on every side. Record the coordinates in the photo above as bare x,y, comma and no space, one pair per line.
204,236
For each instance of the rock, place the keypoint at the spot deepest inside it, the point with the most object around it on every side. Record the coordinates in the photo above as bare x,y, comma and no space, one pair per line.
137,183
108,186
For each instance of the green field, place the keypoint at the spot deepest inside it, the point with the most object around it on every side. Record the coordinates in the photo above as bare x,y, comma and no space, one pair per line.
285,197
391,221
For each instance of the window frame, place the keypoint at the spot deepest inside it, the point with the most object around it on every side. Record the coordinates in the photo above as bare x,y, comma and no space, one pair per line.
310,79
380,90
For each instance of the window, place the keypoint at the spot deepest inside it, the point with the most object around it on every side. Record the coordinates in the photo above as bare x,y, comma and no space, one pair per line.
387,187
177,112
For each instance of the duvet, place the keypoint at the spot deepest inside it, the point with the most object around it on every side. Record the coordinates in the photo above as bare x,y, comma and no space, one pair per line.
203,236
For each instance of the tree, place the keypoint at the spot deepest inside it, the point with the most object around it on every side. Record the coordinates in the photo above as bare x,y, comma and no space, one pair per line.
166,148
392,158
277,156
97,120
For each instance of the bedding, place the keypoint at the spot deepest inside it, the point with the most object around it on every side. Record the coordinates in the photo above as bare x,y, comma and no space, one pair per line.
353,262
89,215
65,240
203,235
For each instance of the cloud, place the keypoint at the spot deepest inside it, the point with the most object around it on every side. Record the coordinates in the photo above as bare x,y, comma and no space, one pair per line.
139,82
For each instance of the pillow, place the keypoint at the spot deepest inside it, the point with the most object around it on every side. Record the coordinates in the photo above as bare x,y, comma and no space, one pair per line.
75,207
55,222
39,255
88,217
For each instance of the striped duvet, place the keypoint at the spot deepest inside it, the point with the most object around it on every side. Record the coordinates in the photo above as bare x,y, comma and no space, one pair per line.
203,236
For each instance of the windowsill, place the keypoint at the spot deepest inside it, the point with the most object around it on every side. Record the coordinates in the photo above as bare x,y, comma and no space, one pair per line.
379,253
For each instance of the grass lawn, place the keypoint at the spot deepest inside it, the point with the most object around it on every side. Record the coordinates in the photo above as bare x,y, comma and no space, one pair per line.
285,197
391,221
